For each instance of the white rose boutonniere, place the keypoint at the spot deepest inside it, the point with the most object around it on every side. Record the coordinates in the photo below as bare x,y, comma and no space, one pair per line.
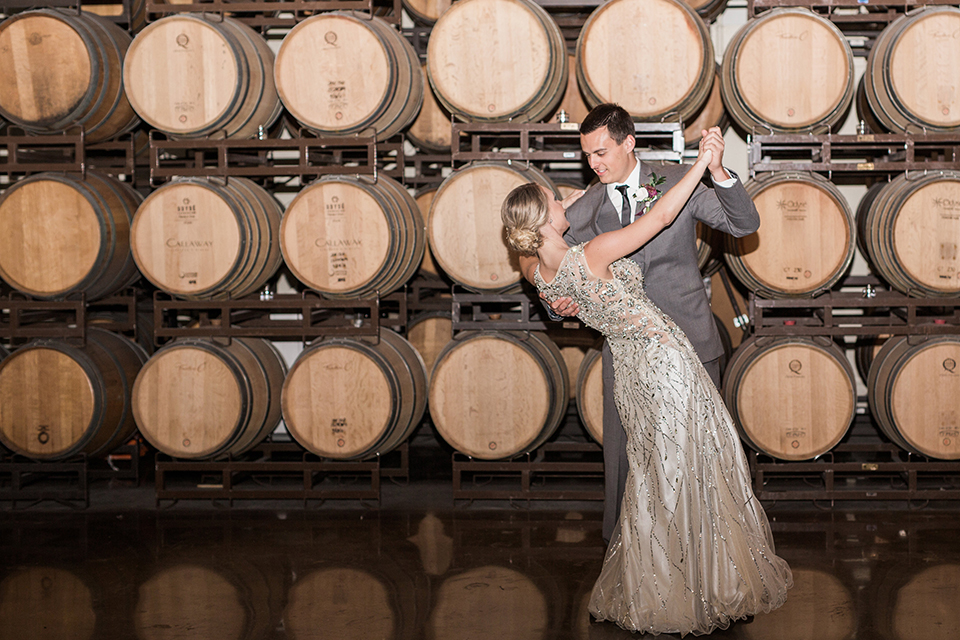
648,193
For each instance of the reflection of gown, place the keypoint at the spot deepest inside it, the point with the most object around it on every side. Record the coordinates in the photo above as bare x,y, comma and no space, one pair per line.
693,550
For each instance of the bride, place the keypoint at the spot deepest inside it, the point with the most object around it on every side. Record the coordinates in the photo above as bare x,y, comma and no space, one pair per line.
693,549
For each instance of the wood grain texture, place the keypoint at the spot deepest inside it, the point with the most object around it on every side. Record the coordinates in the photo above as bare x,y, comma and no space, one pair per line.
590,395
788,71
793,398
914,394
806,239
465,232
495,60
640,77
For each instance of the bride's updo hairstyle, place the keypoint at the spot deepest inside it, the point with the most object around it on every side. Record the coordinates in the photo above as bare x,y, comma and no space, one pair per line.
523,212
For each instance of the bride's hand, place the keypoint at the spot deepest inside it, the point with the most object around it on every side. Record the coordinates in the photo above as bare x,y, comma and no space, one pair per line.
706,155
573,197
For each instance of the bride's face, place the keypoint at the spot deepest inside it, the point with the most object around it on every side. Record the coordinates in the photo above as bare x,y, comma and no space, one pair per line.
556,214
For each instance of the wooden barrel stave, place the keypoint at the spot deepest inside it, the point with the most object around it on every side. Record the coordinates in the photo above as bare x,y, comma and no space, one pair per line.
348,238
85,403
806,241
789,71
466,233
496,394
677,86
199,398
791,398
913,390
347,398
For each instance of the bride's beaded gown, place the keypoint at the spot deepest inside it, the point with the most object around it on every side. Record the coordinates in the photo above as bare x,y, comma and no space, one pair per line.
693,551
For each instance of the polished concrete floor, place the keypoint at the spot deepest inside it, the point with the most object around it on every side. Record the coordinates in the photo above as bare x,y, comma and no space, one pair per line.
421,565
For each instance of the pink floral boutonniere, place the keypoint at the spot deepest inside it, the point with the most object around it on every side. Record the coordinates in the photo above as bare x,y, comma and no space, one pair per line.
649,193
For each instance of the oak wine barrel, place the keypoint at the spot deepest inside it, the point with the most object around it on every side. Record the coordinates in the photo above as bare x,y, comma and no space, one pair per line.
788,71
428,266
198,238
341,73
202,398
61,234
909,231
350,398
651,86
910,83
712,114
913,389
191,77
590,395
429,332
347,238
60,69
426,12
431,130
791,398
806,241
58,400
497,61
465,230
572,102
497,394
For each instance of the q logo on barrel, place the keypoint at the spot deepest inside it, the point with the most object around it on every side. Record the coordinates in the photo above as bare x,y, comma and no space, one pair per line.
795,366
950,364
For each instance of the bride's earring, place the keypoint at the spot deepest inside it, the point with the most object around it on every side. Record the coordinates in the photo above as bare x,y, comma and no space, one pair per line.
549,219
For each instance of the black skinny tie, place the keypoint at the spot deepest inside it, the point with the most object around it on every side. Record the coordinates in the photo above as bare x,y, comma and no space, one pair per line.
625,207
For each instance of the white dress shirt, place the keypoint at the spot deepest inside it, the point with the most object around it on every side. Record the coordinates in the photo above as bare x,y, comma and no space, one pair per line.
633,190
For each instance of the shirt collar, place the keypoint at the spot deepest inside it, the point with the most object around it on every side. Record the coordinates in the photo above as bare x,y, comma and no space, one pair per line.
633,182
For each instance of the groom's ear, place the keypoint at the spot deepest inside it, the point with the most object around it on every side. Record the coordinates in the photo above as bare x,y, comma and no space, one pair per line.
629,143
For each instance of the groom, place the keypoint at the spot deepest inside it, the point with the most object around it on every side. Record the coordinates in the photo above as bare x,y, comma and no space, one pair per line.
669,261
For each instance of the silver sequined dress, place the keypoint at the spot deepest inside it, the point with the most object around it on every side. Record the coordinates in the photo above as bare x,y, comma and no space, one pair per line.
693,551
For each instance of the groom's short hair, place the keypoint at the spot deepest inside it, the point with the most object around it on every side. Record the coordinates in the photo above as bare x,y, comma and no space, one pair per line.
615,118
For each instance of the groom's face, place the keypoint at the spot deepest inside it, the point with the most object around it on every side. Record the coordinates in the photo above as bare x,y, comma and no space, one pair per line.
611,162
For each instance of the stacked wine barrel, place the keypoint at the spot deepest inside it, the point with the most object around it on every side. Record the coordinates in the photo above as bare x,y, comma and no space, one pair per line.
189,76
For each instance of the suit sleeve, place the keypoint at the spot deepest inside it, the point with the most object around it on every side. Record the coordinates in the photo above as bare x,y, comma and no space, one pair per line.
727,209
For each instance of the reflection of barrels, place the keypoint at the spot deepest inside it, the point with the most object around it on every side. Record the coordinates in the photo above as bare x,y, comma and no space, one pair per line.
913,390
346,603
910,80
465,229
429,332
205,398
349,398
431,130
792,398
820,606
196,238
490,602
59,69
590,395
678,83
371,75
788,71
205,599
495,394
349,238
191,77
46,603
479,79
60,234
59,400
806,239
919,601
910,232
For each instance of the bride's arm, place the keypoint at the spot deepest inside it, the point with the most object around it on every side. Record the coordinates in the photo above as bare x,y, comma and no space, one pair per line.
609,247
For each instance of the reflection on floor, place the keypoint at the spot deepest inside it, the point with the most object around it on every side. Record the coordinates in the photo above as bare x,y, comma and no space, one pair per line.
464,572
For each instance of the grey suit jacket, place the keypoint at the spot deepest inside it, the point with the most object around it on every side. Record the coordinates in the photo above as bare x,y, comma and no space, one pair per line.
669,261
